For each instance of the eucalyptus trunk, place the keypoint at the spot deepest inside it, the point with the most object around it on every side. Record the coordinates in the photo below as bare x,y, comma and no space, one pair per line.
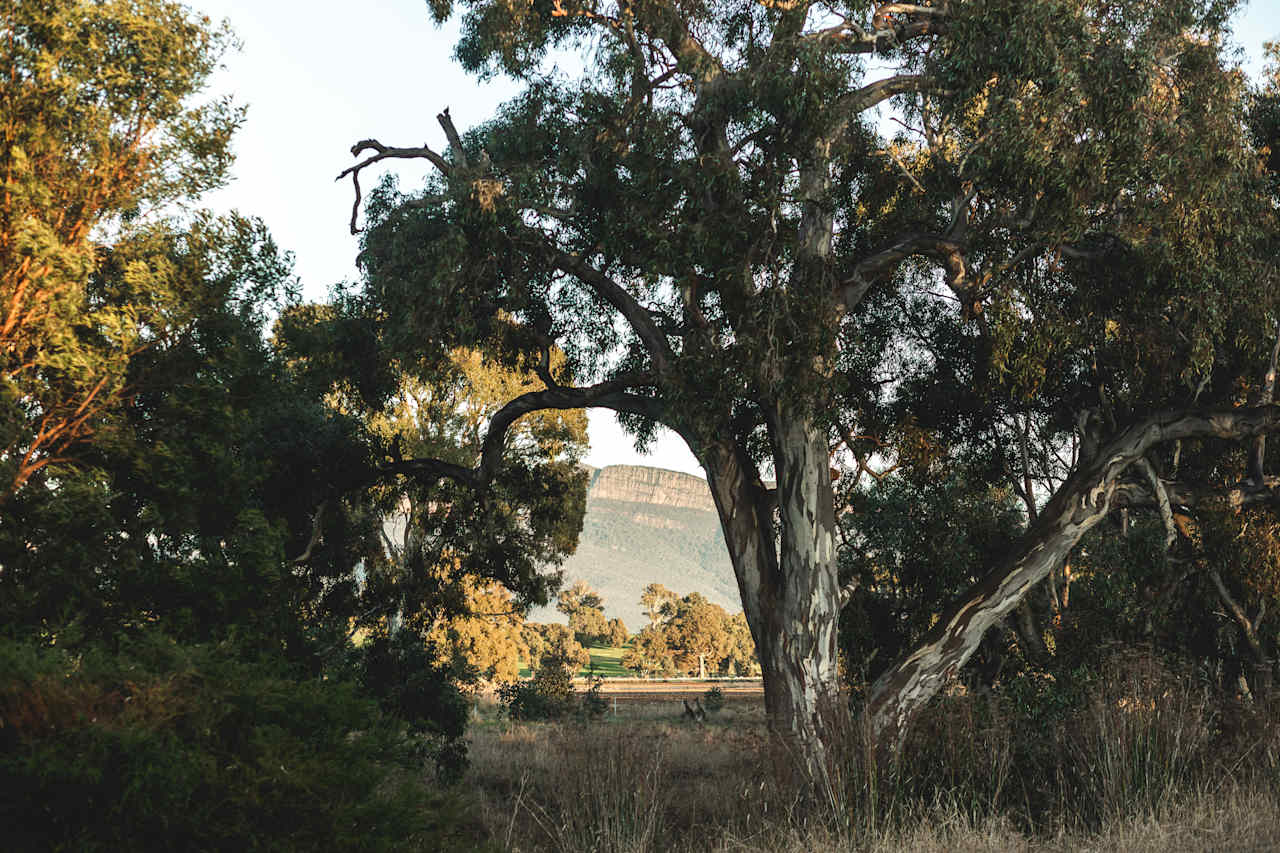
787,577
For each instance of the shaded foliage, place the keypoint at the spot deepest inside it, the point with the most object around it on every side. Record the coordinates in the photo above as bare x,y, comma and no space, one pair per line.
157,745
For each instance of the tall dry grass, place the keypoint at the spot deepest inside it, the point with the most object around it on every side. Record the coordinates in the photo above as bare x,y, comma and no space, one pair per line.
1146,760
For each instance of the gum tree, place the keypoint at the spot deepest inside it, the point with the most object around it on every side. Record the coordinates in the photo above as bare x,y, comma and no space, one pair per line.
776,227
100,128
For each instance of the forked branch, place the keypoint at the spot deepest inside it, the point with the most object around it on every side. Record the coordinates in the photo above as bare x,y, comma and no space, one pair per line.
384,152
949,253
616,394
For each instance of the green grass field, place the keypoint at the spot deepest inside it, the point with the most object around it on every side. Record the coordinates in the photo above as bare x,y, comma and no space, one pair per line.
607,663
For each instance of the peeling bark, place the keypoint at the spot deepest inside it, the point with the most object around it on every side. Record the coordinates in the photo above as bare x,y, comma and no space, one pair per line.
1079,504
792,603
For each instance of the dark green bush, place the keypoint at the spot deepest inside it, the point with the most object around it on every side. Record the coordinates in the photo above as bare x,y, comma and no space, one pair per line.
410,684
547,696
166,747
594,705
713,699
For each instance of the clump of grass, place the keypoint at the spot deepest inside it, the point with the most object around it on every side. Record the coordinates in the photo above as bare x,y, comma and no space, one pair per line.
1146,733
612,795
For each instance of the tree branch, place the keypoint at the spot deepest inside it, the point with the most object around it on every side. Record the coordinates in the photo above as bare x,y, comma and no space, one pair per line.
384,152
1244,493
849,105
1162,501
847,591
611,394
455,141
947,252
891,24
316,527
1083,500
1258,456
1242,619
616,295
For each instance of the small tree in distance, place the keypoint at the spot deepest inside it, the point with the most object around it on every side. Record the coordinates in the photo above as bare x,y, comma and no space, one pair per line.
692,636
618,635
585,609
555,644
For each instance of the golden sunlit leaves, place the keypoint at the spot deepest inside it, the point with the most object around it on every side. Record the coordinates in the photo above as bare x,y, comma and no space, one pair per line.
486,192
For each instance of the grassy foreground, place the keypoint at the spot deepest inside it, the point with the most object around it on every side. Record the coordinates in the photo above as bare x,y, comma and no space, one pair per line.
1144,766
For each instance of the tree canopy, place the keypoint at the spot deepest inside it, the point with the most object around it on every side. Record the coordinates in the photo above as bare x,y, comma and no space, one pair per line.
183,450
692,636
791,230
101,131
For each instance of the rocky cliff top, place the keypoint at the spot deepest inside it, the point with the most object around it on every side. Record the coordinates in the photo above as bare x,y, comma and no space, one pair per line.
655,486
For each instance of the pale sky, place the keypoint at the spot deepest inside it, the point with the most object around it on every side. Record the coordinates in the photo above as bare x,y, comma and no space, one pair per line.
316,80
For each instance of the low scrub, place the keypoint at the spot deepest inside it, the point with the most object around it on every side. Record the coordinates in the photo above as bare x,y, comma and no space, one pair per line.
547,696
165,747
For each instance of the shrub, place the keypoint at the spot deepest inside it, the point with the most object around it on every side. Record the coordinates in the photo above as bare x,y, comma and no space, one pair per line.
547,696
594,705
713,699
166,747
409,683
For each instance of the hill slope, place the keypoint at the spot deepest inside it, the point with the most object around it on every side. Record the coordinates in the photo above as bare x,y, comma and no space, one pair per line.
648,525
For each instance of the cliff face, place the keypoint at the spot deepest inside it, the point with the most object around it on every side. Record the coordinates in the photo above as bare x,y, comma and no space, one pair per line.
654,486
648,525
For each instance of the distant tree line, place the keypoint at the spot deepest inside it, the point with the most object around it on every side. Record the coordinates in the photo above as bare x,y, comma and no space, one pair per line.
690,636
686,635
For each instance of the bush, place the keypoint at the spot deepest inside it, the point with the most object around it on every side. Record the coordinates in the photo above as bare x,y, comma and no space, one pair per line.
594,705
547,696
713,699
403,674
166,747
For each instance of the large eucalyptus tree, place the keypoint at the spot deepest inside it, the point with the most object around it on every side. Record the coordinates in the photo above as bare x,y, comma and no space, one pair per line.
761,223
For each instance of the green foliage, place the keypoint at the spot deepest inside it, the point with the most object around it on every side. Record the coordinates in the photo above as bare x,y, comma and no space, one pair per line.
585,609
690,633
1069,232
411,684
193,497
444,539
617,634
713,699
555,642
649,654
161,746
918,541
594,705
488,635
100,131
547,696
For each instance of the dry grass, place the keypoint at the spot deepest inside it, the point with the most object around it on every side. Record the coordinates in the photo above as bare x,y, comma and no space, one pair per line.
1247,821
1147,763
